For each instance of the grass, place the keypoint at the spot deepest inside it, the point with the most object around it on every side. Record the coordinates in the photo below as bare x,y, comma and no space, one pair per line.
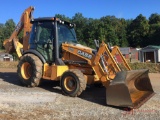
153,68
8,64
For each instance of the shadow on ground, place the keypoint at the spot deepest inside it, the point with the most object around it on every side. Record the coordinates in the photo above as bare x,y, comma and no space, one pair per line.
92,93
10,77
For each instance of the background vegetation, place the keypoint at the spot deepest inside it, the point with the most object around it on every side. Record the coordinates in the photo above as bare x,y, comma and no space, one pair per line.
152,67
138,32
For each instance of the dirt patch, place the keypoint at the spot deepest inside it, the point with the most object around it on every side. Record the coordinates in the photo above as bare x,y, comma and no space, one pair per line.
8,70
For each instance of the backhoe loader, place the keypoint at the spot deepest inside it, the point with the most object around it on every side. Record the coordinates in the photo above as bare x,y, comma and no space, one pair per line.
50,51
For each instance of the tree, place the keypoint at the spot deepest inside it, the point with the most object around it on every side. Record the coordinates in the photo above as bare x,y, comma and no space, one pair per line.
92,31
6,31
114,30
122,33
138,31
63,17
1,35
154,18
9,28
80,22
154,30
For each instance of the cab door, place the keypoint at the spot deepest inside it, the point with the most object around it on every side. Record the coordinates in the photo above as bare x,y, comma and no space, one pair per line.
44,40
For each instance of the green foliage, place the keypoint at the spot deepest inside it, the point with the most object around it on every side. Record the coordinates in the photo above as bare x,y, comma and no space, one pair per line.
80,22
138,32
8,28
1,37
63,17
15,56
6,31
152,67
154,36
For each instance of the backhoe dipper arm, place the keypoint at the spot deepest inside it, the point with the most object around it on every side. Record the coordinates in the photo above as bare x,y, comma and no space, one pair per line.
13,43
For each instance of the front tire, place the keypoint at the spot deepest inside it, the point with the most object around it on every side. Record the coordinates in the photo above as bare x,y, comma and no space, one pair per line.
73,82
30,70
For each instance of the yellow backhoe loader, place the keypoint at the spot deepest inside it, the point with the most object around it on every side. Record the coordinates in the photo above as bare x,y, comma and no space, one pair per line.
50,51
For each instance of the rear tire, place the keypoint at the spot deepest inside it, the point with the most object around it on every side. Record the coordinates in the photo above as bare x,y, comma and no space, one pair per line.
30,70
73,82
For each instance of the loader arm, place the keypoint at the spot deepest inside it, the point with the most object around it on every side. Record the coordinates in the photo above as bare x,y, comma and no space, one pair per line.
116,50
103,62
130,88
24,24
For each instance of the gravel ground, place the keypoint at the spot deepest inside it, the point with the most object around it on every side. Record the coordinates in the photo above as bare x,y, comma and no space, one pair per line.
47,102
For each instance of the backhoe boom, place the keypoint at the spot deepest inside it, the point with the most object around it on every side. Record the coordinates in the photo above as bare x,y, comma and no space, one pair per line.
24,24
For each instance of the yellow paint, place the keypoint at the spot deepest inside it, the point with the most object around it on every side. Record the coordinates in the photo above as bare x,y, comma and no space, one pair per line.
25,70
57,71
53,72
18,48
47,70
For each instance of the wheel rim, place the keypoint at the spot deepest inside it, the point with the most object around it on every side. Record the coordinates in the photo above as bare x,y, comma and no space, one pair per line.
69,83
26,70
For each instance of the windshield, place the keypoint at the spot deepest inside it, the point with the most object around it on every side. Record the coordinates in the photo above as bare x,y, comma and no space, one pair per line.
66,34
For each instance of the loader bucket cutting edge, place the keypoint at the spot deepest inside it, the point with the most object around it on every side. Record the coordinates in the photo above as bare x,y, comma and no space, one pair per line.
129,89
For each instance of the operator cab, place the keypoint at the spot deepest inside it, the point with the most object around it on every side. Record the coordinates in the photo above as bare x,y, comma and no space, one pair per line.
48,34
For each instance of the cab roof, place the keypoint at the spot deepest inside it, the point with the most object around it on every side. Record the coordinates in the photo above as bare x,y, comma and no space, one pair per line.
45,19
40,19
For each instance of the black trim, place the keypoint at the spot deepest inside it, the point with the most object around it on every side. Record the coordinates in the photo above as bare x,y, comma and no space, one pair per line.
35,53
74,62
56,54
42,19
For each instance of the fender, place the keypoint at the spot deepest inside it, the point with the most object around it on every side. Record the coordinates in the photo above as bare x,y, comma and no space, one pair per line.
35,53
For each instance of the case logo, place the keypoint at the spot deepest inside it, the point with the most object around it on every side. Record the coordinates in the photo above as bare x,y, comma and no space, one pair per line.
84,54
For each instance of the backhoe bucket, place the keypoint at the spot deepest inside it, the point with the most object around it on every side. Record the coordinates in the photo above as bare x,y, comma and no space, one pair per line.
9,47
129,89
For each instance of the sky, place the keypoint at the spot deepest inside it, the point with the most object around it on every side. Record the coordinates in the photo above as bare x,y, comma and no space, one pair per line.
127,9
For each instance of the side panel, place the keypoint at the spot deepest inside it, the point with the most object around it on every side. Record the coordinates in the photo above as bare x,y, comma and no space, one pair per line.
57,71
35,53
53,72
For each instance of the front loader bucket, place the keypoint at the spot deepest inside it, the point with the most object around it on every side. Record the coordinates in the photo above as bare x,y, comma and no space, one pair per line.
129,89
